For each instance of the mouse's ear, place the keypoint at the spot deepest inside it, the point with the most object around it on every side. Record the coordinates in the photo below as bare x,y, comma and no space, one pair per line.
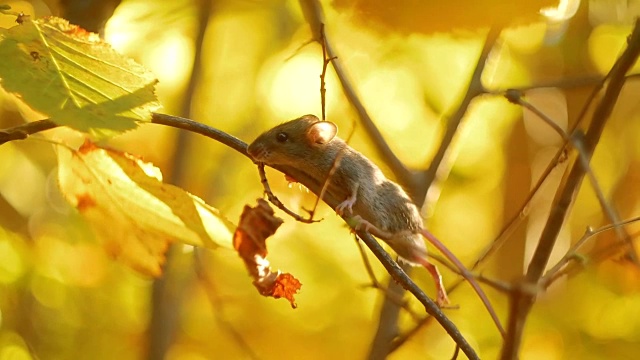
322,132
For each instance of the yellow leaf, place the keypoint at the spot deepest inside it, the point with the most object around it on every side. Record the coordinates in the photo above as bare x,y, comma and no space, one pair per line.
133,212
74,77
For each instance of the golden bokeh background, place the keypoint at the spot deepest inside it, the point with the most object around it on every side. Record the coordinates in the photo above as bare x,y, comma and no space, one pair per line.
62,297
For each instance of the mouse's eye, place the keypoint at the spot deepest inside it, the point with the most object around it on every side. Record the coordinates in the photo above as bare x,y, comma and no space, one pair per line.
282,137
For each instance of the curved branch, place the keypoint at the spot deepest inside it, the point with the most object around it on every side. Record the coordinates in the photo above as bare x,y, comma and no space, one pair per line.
240,146
22,132
430,307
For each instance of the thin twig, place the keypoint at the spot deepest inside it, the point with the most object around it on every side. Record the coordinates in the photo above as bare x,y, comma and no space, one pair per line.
296,51
498,285
336,162
431,308
577,141
275,201
202,129
458,264
580,261
377,285
23,131
326,60
515,97
456,352
572,253
610,211
367,265
563,83
439,168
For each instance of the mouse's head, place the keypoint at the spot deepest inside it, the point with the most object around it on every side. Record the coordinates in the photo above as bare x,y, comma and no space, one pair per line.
297,140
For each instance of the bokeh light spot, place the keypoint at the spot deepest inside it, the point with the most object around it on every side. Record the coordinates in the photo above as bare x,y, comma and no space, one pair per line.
14,352
11,264
48,292
295,87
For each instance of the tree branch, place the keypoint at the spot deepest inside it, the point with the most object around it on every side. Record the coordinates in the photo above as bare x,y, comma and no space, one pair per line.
23,131
523,299
314,185
576,140
430,307
474,89
557,270
426,189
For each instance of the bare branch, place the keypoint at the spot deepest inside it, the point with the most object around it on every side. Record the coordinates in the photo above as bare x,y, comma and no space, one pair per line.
577,141
564,83
439,167
21,132
431,308
572,254
326,60
522,301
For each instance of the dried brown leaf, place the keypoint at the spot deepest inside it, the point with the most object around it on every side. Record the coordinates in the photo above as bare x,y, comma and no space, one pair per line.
256,225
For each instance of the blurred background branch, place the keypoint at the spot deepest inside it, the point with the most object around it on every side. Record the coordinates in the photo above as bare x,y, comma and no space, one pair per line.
522,301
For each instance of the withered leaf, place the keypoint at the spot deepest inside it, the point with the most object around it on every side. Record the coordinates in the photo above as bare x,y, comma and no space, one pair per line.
256,225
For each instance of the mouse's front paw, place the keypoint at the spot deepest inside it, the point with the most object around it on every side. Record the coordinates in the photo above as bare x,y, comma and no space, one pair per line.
346,205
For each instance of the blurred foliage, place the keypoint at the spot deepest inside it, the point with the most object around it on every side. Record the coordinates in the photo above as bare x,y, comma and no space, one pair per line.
439,16
62,297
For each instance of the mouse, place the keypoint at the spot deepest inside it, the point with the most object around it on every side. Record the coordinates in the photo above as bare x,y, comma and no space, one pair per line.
369,199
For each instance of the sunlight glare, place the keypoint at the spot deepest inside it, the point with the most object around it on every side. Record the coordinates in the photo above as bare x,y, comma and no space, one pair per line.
294,88
118,33
170,59
565,10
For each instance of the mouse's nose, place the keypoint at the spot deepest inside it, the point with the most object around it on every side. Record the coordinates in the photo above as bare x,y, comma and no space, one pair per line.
255,151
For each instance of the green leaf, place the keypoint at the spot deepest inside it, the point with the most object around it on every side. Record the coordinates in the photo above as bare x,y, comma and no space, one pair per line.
75,78
134,214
